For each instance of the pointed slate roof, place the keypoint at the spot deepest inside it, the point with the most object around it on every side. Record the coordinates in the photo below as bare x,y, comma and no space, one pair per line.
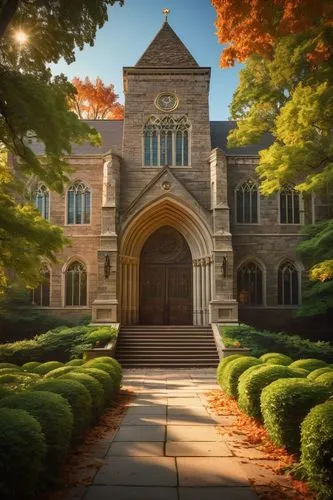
167,51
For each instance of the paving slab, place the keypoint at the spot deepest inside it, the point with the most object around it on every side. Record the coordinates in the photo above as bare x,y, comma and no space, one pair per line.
174,411
192,433
182,401
151,401
136,449
131,493
191,420
210,471
197,449
224,493
138,471
143,419
147,410
141,433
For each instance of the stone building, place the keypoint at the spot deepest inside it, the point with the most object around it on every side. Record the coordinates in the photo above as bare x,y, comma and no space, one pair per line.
167,224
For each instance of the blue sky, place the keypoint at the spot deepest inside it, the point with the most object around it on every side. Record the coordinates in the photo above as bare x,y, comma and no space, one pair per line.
130,30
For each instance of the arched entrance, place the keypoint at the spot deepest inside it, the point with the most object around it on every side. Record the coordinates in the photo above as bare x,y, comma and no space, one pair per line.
166,279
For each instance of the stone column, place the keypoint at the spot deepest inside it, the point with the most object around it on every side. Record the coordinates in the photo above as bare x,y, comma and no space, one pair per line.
195,306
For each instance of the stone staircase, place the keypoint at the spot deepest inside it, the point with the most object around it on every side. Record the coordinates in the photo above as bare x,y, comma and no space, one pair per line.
166,346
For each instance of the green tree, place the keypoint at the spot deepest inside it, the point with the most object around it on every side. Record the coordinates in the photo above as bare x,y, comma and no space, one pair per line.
33,34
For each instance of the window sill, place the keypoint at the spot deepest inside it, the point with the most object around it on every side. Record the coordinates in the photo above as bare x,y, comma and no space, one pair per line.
156,167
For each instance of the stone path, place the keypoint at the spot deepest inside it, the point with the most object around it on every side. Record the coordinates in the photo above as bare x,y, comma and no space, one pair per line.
167,447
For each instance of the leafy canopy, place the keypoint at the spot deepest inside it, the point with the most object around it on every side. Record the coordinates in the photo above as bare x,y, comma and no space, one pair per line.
95,100
34,104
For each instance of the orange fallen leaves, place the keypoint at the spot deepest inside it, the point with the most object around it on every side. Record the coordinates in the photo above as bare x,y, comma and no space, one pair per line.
255,436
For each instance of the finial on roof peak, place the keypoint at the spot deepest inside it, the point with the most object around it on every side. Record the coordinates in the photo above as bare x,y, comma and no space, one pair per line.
166,12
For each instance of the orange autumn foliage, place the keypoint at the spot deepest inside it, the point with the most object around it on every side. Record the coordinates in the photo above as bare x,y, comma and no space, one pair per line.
252,26
95,100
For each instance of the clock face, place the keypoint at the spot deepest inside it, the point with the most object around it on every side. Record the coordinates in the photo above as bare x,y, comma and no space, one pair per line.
167,101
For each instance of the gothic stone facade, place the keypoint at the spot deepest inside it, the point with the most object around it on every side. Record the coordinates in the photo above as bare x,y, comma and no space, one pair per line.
241,246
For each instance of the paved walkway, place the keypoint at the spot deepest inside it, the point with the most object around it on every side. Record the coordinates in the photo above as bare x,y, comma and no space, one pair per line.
167,447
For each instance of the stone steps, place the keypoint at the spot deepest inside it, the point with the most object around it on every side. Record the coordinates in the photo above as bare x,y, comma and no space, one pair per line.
166,346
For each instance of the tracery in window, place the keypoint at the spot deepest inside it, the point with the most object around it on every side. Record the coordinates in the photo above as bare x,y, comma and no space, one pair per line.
41,199
250,284
166,141
323,204
40,296
78,204
289,206
76,284
247,200
288,285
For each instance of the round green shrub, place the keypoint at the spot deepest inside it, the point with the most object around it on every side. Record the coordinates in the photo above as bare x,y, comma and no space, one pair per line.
78,398
8,365
58,372
31,365
111,369
284,405
95,389
317,448
308,364
22,454
18,381
5,391
55,417
75,362
299,372
275,358
105,379
4,371
229,379
319,371
326,379
102,335
224,362
47,367
252,382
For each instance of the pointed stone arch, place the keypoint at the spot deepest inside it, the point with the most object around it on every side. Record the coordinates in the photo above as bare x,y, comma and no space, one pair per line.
166,212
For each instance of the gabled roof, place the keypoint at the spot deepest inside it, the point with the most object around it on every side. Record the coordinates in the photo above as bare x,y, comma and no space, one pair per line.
219,131
167,50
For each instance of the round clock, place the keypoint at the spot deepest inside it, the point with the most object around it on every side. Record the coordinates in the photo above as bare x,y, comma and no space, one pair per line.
166,101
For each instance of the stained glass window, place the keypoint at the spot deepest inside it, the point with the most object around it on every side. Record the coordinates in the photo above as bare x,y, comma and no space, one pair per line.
76,284
78,204
247,200
166,141
289,206
250,284
42,201
40,296
288,286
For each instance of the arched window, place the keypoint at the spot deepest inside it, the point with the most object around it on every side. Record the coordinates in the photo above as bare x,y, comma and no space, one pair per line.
288,285
289,206
166,141
78,204
41,199
76,284
40,296
249,284
247,203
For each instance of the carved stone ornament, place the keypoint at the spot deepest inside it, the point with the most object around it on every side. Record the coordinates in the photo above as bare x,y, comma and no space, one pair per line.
166,101
166,186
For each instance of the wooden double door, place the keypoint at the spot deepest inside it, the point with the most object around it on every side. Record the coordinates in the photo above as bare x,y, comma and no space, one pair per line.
166,279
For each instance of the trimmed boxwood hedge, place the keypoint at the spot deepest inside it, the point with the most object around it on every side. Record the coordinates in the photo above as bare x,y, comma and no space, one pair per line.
252,382
4,371
75,362
224,362
326,379
105,364
276,358
58,372
317,449
309,364
18,381
105,379
22,454
319,371
31,365
284,405
78,398
55,417
95,389
44,368
8,365
230,375
5,391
